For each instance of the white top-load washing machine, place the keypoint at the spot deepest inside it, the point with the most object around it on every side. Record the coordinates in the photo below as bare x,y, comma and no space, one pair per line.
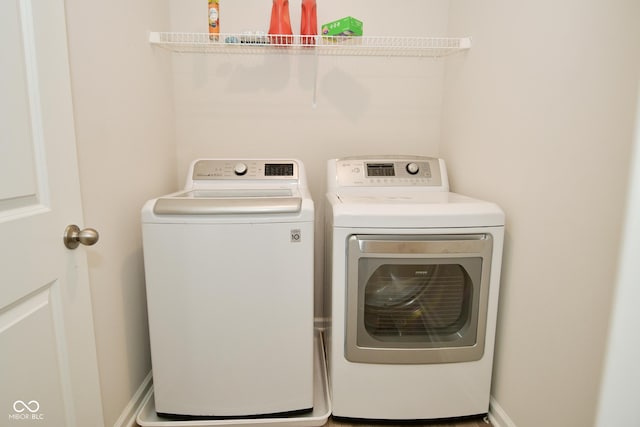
412,274
229,280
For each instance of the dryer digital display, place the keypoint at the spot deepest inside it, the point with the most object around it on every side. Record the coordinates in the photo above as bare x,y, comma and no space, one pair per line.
380,169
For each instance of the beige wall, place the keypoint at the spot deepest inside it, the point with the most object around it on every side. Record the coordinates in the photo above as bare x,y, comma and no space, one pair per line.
261,106
125,137
135,141
538,117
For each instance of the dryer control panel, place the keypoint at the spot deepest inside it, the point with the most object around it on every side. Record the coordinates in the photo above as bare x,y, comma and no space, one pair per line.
389,171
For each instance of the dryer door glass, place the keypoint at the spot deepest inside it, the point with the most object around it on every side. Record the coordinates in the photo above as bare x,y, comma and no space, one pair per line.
417,299
421,303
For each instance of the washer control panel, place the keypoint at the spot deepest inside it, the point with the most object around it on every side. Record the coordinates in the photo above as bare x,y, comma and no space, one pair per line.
383,172
244,169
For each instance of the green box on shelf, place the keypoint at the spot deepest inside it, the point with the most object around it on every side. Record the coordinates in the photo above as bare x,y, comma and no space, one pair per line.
347,26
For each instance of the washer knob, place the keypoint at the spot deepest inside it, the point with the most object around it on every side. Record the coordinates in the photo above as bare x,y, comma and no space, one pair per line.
240,169
413,168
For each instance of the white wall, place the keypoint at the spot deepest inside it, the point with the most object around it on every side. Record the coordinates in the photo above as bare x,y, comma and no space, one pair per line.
538,117
261,106
125,135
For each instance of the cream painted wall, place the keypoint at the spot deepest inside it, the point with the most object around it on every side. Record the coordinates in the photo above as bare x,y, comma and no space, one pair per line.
539,118
123,105
544,98
261,106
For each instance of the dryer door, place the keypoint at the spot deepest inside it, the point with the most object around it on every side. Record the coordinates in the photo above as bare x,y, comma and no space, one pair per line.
417,299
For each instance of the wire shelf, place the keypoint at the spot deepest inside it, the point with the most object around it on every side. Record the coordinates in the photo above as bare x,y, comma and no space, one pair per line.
241,43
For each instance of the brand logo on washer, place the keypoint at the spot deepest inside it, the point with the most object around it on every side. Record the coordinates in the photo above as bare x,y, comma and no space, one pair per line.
296,236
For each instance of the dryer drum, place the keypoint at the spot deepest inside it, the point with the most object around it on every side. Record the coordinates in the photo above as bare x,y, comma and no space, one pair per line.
432,301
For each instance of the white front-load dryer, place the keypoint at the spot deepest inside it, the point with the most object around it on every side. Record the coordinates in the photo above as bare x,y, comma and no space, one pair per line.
413,274
229,280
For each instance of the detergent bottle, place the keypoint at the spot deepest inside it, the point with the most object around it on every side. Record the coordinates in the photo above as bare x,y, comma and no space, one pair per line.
280,23
308,22
214,19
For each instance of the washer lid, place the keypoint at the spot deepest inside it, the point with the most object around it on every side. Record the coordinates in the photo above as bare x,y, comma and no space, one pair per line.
229,202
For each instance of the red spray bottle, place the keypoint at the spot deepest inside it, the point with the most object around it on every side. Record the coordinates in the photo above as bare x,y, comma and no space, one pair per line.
309,22
280,23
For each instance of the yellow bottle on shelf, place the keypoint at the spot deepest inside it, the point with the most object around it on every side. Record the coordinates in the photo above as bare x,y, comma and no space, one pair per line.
214,19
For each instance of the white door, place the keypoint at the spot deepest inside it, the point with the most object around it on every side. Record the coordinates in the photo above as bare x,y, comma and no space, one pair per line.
48,367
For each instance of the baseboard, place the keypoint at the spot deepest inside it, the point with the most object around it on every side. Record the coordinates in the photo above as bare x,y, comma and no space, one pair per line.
498,416
128,416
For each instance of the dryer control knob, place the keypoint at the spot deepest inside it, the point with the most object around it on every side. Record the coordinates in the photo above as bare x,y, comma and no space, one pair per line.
240,169
413,168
